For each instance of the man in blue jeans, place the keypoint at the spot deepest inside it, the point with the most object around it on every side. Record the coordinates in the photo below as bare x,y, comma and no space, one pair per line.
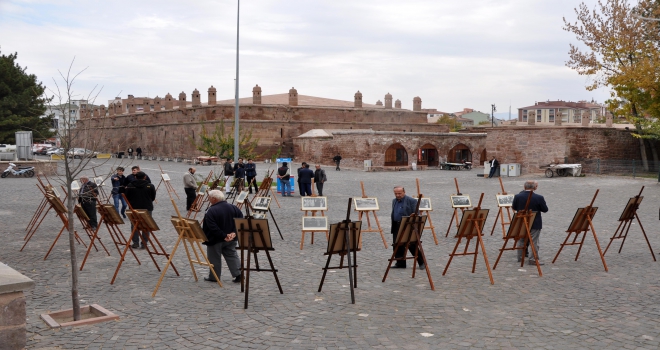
118,187
284,174
494,164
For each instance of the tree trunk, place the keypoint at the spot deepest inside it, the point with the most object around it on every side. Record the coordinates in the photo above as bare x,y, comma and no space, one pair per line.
642,151
74,263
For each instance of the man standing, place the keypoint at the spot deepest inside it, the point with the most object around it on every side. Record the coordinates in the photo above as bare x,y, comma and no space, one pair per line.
220,231
494,164
139,151
319,178
403,205
305,177
239,175
87,199
190,186
537,204
250,175
284,174
141,195
119,187
229,174
130,151
300,188
337,159
131,177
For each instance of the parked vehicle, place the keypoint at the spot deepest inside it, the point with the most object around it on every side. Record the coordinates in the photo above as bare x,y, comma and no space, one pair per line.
80,153
55,150
7,148
37,147
22,171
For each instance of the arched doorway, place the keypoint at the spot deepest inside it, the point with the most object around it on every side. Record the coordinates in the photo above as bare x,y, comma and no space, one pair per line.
459,153
427,155
396,155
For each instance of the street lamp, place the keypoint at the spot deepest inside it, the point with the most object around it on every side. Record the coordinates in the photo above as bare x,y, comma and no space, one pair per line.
492,114
236,112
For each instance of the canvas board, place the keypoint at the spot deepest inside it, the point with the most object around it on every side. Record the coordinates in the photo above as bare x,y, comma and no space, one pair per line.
314,223
467,227
504,200
242,232
241,197
195,228
628,210
425,205
517,226
111,214
98,181
57,204
314,203
55,192
165,177
147,222
365,204
203,189
406,231
75,185
80,212
462,201
261,203
580,222
354,237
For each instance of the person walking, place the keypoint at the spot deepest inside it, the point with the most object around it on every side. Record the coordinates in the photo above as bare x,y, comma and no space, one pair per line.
118,187
139,151
319,178
403,205
220,230
284,174
494,164
87,199
250,176
141,195
337,160
537,204
190,187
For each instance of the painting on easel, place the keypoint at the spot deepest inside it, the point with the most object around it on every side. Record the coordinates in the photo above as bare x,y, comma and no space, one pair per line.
462,201
241,197
425,205
363,204
165,177
315,223
504,200
314,203
261,203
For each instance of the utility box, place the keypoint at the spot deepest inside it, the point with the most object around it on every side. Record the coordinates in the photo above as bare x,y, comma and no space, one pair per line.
24,145
367,164
514,169
504,170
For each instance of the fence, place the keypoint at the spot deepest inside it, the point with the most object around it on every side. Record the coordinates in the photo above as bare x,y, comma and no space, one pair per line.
624,167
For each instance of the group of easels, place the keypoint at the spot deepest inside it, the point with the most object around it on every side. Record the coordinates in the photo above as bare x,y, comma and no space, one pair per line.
201,197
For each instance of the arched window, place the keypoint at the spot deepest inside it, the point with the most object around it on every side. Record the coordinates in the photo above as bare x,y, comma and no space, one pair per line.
396,155
459,154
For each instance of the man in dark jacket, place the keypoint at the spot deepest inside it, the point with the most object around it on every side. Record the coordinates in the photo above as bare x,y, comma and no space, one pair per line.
337,160
131,177
305,177
300,187
239,175
283,173
319,178
494,164
87,199
190,187
229,174
220,231
119,187
141,195
250,176
537,204
403,205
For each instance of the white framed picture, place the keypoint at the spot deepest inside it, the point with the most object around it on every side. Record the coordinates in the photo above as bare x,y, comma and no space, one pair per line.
366,204
75,186
261,203
505,200
314,223
258,215
98,181
241,197
166,177
55,192
462,201
314,203
203,189
425,205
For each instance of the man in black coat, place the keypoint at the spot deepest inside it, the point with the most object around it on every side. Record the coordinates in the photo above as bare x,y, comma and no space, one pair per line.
131,177
305,176
229,174
300,188
337,160
537,204
141,195
319,178
403,205
250,176
87,199
220,230
494,164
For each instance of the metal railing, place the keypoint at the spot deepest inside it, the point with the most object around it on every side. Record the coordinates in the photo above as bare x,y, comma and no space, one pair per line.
623,167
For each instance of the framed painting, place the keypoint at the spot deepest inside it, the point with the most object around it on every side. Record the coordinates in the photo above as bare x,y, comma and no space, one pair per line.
462,201
365,204
314,203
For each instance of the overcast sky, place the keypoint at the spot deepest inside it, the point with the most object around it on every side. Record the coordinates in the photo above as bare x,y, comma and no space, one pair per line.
453,54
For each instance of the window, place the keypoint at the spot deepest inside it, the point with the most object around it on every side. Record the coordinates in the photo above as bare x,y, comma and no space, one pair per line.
576,116
551,115
524,115
538,115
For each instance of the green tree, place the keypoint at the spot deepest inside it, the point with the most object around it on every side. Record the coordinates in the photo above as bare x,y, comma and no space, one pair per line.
220,143
451,121
22,102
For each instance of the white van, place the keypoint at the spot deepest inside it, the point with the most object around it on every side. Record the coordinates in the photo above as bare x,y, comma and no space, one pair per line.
7,148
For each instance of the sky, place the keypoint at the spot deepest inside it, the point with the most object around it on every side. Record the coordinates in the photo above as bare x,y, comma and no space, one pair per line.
452,54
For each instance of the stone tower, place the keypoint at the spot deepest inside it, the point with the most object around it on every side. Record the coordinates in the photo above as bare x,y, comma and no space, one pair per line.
111,109
378,103
256,95
169,101
157,104
417,104
182,100
388,101
293,97
397,104
212,96
102,111
196,99
608,120
531,118
358,100
131,104
585,118
146,105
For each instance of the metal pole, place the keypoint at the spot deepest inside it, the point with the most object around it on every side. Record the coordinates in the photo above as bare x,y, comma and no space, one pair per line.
236,111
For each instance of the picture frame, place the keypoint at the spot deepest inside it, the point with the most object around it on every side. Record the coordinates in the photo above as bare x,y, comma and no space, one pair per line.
55,192
504,200
75,185
80,212
406,231
366,204
460,201
340,244
195,228
111,214
467,228
98,181
244,225
517,226
203,188
146,221
261,203
580,222
425,205
628,212
241,197
315,223
166,177
314,203
260,215
57,204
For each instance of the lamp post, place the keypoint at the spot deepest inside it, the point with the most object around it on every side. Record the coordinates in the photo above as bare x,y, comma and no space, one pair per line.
492,114
236,112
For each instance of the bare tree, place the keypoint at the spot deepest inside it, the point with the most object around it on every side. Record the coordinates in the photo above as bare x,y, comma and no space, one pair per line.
72,136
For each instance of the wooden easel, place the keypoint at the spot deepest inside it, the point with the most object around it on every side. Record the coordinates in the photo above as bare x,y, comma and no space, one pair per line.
472,224
346,237
61,211
168,185
430,225
582,222
520,229
92,234
41,212
190,233
264,189
455,214
302,239
410,232
366,214
198,203
236,188
629,213
253,237
500,214
143,222
101,188
111,219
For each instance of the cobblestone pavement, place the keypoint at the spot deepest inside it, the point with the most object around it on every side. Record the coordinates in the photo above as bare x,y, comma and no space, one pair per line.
574,304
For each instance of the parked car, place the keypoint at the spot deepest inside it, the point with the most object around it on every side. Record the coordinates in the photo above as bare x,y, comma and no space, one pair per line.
36,148
55,150
80,153
7,148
